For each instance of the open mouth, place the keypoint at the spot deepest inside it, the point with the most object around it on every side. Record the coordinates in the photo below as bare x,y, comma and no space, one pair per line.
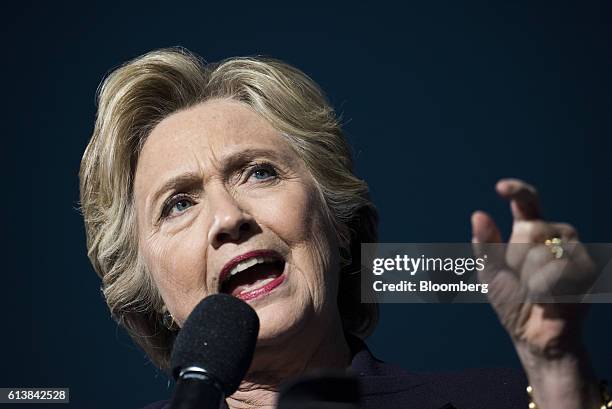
253,274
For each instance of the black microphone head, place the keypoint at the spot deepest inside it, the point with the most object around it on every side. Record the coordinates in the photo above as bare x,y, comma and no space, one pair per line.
219,336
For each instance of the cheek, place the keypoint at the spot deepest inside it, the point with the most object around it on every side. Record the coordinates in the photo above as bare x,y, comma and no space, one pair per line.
294,214
177,265
298,220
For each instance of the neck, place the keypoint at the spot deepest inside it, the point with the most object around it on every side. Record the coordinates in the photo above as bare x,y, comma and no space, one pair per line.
260,387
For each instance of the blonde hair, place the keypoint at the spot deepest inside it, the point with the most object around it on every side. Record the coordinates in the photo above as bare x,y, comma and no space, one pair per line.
134,98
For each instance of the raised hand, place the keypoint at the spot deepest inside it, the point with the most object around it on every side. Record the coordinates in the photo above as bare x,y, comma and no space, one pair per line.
541,260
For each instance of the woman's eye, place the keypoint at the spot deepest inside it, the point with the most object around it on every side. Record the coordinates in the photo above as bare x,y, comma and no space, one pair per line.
263,172
177,206
181,205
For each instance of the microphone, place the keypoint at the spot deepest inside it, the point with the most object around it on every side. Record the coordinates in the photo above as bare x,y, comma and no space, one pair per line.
322,390
213,352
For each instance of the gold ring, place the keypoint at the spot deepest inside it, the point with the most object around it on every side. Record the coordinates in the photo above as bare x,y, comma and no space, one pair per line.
555,247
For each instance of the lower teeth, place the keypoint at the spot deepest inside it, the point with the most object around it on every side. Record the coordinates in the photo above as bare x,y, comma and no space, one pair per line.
257,285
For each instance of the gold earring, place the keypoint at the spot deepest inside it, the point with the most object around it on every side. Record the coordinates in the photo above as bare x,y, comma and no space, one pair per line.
168,320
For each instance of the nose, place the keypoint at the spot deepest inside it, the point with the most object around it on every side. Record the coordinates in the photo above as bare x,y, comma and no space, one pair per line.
230,223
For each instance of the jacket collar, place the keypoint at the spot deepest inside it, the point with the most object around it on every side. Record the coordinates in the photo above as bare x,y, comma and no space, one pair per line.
387,385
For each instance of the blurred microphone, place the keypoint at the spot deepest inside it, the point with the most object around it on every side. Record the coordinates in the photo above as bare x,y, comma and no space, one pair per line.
325,390
213,352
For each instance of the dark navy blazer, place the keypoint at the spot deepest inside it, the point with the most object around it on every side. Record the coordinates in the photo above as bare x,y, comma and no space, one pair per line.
386,386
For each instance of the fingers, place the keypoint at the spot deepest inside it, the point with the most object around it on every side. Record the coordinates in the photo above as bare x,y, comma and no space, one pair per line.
487,242
523,197
527,234
484,229
542,269
538,231
545,275
565,231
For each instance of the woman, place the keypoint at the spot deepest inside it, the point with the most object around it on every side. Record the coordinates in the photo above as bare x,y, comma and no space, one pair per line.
235,177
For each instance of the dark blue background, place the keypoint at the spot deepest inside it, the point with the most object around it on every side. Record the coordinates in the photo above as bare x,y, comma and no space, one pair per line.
440,100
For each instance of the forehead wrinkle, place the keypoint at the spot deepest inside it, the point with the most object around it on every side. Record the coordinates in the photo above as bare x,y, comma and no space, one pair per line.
215,161
200,164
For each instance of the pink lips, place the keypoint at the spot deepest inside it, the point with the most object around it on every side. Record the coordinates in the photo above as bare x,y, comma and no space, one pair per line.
249,295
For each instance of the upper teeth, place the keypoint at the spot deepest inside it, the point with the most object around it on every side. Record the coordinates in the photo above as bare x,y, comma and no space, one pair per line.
243,265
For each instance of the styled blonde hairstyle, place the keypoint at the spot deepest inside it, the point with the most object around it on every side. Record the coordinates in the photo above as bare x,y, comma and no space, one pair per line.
134,98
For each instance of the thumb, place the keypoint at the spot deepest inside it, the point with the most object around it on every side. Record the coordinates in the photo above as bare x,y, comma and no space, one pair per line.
484,229
487,243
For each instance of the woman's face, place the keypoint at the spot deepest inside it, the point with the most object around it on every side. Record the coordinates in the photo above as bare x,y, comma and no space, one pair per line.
225,205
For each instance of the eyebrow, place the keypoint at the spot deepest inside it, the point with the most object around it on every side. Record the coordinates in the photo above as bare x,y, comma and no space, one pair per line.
229,164
187,180
236,160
